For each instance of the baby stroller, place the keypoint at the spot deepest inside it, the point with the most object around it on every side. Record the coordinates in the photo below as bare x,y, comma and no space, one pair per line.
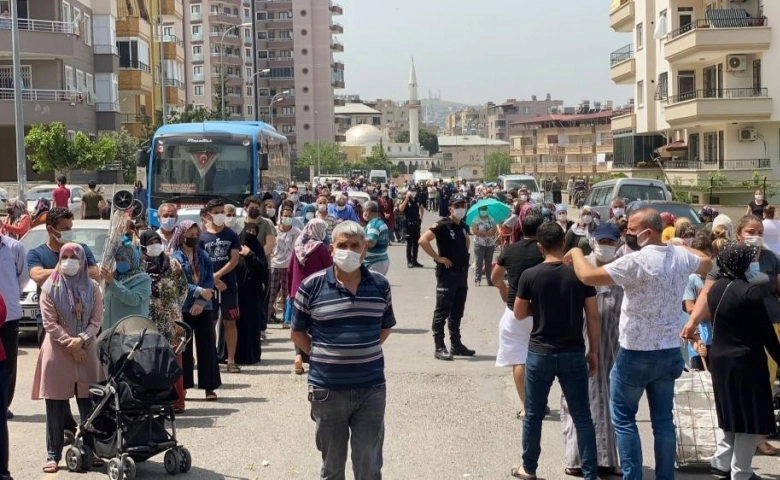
127,423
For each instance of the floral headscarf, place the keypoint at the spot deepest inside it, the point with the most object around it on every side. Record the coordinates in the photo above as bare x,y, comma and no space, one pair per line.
73,297
312,237
155,267
309,208
132,255
734,259
177,240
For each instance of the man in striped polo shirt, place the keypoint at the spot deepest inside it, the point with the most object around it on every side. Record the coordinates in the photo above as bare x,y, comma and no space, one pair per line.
341,316
377,240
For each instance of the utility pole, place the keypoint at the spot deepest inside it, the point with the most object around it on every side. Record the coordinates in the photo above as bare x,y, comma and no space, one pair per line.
21,164
163,93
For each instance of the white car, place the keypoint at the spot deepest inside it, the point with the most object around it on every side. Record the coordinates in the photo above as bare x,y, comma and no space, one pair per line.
74,204
361,197
92,233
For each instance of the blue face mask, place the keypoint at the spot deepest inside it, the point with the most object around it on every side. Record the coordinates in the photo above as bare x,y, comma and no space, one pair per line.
753,271
122,267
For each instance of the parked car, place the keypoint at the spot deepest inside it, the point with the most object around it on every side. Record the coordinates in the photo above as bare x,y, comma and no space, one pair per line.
74,205
600,196
362,197
677,209
92,233
508,182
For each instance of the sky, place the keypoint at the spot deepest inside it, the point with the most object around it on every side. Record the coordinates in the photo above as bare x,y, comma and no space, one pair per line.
481,50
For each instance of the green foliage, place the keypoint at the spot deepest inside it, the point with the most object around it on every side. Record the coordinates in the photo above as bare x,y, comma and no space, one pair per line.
428,140
377,160
126,149
323,153
52,150
497,163
219,92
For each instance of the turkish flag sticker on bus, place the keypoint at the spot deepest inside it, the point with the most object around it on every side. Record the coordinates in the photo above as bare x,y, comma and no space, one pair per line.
204,160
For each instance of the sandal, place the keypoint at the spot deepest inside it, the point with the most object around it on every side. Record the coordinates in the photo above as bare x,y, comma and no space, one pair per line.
211,396
233,368
519,472
520,414
765,448
299,370
51,467
573,472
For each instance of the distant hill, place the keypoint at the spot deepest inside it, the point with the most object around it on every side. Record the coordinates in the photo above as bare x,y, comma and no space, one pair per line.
436,111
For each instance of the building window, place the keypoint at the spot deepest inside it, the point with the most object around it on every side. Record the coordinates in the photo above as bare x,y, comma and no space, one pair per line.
133,54
198,90
281,72
640,35
248,53
662,89
196,30
285,15
263,92
262,35
526,110
262,54
7,75
288,110
640,93
288,129
262,16
447,157
248,91
250,110
197,70
86,32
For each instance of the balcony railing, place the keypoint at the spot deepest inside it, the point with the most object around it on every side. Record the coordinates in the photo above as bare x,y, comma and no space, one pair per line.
748,92
620,4
280,39
621,55
198,77
278,59
196,37
106,50
107,107
136,118
718,23
730,164
135,65
36,95
34,25
172,39
197,57
172,82
196,17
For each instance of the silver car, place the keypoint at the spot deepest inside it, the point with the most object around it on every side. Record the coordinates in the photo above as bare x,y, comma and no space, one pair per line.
92,233
45,191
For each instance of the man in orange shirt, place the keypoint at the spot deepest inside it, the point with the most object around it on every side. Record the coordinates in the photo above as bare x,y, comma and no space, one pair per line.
61,195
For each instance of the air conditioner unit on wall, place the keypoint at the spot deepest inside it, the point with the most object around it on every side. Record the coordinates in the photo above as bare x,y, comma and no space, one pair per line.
747,134
736,63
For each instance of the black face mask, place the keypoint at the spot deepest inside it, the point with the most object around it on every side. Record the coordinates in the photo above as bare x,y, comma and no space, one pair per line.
191,242
253,213
633,242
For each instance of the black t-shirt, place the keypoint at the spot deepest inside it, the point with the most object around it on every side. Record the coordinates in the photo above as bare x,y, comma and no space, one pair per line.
219,247
516,259
756,209
558,304
412,210
451,239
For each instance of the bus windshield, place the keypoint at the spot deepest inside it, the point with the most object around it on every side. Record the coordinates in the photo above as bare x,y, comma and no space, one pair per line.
200,168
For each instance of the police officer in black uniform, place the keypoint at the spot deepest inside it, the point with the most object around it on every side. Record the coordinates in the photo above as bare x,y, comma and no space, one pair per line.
452,269
413,214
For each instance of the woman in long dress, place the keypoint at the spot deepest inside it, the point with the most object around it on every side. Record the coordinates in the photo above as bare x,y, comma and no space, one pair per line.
606,238
251,272
742,333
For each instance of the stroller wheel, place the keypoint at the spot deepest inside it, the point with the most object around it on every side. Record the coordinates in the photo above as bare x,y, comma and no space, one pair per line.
186,460
115,470
87,458
172,462
129,468
73,459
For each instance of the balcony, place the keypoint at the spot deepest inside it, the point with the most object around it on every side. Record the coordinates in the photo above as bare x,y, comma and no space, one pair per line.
336,28
106,50
198,77
174,91
196,17
137,125
228,39
338,83
131,26
337,66
621,19
107,107
196,37
726,105
725,164
44,106
280,41
39,39
625,121
336,9
135,77
336,46
168,7
708,40
173,48
223,17
622,68
196,57
226,59
339,102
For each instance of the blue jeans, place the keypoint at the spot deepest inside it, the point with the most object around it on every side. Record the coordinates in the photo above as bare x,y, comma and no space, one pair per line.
572,372
339,412
633,374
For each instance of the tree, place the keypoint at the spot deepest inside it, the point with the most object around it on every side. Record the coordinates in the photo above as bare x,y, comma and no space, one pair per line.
497,163
126,151
428,140
219,94
377,160
323,153
52,150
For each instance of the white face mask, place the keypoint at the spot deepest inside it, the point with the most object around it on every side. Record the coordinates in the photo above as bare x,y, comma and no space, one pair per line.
347,260
459,213
294,197
154,250
619,211
340,208
70,266
270,212
309,215
759,198
287,221
218,219
65,237
753,240
168,223
523,198
230,221
604,253
586,219
322,207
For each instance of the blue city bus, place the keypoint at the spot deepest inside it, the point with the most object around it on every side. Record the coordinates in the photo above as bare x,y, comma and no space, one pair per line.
188,164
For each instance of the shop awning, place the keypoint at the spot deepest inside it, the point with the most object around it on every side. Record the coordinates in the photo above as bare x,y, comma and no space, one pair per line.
675,149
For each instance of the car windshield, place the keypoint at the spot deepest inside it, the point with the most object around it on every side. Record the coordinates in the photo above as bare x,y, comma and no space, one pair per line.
642,193
679,211
36,194
529,183
94,238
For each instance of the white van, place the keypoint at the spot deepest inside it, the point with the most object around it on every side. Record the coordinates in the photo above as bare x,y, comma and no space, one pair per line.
600,196
377,176
420,176
508,182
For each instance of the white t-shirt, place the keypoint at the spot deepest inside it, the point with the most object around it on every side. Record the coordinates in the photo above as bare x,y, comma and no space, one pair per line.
654,280
772,235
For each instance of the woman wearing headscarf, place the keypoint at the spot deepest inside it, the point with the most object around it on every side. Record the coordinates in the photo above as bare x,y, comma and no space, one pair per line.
286,234
128,288
310,255
196,311
387,209
579,235
668,231
169,291
18,220
71,310
308,212
743,398
251,273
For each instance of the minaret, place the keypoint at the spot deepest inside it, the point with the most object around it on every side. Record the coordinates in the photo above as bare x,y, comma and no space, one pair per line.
414,109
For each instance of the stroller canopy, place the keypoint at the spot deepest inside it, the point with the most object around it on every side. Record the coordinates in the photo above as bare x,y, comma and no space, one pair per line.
154,367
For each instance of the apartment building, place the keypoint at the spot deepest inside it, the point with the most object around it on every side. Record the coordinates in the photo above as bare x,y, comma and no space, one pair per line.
703,74
295,42
169,84
69,67
573,143
500,116
464,156
469,121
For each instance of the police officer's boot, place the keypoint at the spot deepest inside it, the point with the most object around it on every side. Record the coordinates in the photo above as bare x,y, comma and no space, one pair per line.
441,350
461,350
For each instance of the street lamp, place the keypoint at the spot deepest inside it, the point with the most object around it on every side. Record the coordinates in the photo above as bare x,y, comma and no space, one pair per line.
281,96
222,61
263,72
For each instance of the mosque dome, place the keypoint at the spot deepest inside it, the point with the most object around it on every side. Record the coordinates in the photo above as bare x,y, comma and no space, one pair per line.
363,135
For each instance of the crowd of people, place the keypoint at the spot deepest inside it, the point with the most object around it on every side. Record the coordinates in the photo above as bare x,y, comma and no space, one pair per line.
596,303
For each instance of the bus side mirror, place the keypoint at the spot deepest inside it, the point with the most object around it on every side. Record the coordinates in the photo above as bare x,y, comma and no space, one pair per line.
263,160
141,158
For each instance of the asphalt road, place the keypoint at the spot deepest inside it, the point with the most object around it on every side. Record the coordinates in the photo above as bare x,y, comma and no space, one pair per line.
445,420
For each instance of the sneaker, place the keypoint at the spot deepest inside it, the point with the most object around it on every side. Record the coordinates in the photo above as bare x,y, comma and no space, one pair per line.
410,265
442,354
263,337
418,264
461,350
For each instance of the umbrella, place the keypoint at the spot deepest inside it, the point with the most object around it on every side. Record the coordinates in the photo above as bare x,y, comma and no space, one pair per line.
496,210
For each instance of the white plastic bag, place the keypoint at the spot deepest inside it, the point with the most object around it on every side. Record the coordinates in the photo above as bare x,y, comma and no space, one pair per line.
695,418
